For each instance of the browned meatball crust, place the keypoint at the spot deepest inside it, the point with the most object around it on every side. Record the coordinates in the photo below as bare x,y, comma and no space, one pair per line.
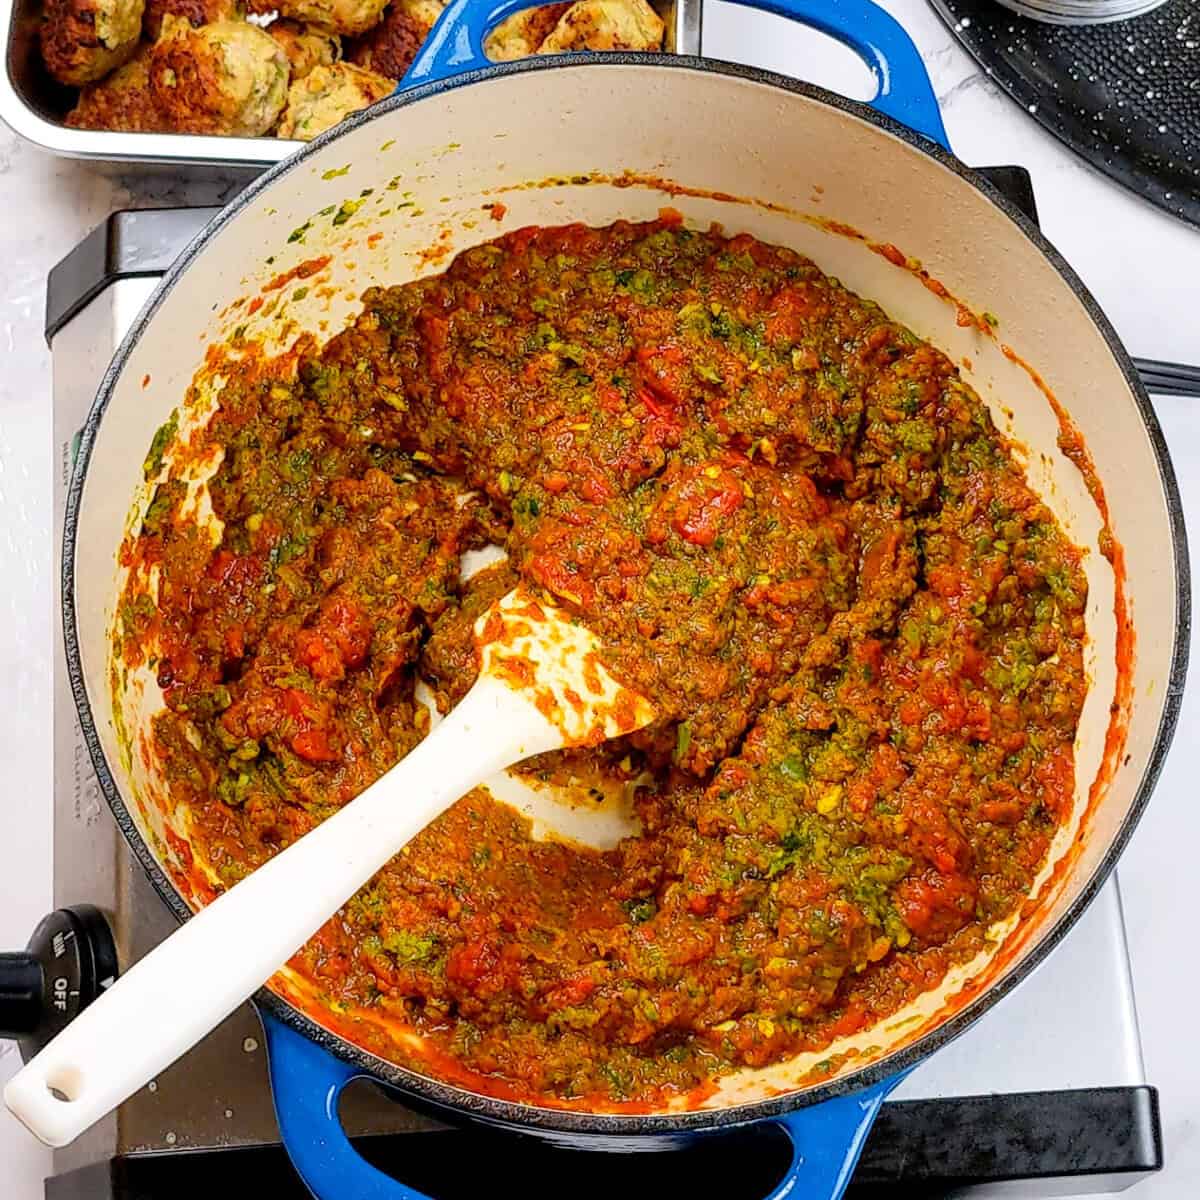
306,48
122,102
390,47
226,78
83,40
195,12
326,95
606,25
523,33
345,17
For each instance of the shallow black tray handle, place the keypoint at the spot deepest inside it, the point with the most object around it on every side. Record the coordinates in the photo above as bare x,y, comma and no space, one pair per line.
1168,378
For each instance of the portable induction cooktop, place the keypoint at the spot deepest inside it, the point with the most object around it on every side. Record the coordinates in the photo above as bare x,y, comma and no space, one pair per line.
1046,1095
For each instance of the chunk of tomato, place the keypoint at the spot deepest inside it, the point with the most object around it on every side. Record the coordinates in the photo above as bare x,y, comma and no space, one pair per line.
697,507
313,746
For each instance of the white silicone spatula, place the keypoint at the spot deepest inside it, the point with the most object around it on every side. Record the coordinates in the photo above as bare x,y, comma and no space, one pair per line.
541,687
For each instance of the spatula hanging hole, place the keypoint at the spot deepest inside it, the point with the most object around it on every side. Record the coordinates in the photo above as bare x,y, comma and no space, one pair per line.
65,1084
766,40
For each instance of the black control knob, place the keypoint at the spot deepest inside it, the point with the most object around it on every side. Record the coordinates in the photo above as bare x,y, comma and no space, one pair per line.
69,961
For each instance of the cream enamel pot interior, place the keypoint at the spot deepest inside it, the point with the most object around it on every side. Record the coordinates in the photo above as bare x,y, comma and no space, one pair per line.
586,140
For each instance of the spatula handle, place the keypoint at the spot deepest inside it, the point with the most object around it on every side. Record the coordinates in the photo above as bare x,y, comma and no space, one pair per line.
169,1000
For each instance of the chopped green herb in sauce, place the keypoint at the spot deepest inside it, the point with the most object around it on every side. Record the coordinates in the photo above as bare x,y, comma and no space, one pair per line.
792,525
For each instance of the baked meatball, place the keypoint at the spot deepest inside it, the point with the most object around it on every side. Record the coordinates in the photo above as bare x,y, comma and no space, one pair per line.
305,48
195,12
337,16
328,94
83,40
390,47
229,77
606,25
122,102
522,34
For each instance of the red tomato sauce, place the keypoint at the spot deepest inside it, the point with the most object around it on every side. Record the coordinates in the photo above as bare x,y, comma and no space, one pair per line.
794,528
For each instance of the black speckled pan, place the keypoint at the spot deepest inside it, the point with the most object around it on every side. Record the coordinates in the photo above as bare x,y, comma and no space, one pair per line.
1125,97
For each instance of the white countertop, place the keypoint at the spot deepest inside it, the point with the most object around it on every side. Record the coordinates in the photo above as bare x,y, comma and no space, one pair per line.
1143,266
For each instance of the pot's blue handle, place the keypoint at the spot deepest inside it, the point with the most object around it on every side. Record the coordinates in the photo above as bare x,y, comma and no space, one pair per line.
905,94
827,1140
455,44
306,1082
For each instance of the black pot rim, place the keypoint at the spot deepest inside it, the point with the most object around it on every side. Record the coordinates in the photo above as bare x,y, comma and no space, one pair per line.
454,1101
